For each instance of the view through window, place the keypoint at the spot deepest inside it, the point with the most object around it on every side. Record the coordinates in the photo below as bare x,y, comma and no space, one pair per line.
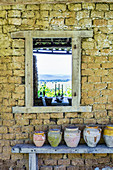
52,72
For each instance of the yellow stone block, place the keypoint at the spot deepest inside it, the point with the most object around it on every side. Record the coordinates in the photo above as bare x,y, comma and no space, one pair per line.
46,6
71,21
22,136
109,14
3,14
14,13
88,5
36,122
8,122
8,136
87,45
102,7
3,129
77,121
30,22
63,121
83,14
7,116
14,21
74,7
3,21
97,14
28,14
18,6
33,7
43,14
85,22
61,7
56,115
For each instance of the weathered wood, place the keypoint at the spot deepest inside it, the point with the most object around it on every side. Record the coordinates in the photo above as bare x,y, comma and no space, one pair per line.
29,71
32,161
30,148
53,109
35,80
76,71
52,34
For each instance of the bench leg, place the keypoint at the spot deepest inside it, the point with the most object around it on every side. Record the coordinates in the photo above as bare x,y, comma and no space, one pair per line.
33,161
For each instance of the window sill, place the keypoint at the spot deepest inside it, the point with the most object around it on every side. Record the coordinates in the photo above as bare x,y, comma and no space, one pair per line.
51,109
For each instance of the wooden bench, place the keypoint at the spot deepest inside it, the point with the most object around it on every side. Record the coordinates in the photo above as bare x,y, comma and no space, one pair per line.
33,151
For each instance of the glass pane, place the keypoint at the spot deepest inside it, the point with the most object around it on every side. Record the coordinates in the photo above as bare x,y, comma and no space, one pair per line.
53,71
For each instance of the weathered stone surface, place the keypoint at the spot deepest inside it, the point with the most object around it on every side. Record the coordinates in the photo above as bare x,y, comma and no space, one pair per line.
88,5
102,7
85,23
14,14
74,7
82,14
71,21
97,14
109,14
14,21
100,22
96,76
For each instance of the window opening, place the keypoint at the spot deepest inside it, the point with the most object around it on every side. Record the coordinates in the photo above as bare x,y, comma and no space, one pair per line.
52,42
52,71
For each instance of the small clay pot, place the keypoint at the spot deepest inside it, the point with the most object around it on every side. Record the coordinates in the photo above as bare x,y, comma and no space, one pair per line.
108,135
72,136
54,137
92,135
39,138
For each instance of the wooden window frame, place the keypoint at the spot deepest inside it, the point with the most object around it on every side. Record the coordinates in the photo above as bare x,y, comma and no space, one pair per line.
76,70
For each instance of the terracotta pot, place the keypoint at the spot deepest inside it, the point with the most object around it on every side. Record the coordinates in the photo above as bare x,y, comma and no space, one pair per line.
72,136
108,135
39,138
92,135
54,137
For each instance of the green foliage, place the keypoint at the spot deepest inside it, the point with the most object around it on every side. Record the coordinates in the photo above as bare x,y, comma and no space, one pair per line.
50,92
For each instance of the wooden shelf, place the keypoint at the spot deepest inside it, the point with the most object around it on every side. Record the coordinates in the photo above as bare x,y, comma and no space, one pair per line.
30,148
33,151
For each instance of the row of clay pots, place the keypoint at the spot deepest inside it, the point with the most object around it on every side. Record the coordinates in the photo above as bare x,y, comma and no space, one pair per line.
91,136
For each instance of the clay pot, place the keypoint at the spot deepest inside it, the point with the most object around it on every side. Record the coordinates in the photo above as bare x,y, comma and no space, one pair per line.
39,138
108,135
54,137
92,135
72,136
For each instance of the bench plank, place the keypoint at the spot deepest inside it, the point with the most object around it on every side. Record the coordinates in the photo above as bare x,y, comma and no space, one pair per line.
30,148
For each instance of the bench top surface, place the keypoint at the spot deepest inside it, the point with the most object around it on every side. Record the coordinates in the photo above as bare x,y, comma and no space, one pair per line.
31,148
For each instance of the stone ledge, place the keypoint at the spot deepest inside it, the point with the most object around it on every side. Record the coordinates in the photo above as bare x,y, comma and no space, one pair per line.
53,109
30,148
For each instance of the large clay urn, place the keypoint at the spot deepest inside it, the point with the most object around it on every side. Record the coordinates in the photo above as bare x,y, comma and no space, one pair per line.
108,135
92,135
39,138
54,137
72,136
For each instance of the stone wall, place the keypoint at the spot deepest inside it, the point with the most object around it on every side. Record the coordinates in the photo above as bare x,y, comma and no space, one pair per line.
97,80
